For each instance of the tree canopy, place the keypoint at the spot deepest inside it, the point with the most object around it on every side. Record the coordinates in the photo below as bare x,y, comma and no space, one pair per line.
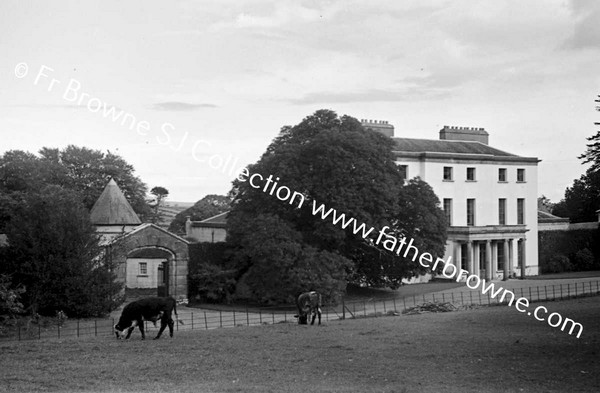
334,161
54,254
592,153
80,169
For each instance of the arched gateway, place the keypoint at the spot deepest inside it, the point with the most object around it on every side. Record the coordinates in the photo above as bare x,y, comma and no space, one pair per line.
145,255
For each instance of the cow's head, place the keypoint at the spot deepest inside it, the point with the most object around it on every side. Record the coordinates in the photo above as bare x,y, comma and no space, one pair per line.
122,332
302,319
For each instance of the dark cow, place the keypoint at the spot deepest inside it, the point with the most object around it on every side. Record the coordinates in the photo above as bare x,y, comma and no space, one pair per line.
147,309
308,303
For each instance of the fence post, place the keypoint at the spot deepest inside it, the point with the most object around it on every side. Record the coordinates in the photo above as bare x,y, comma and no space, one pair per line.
192,315
561,295
568,291
343,309
78,328
375,309
58,326
395,310
220,318
404,302
273,316
260,316
205,321
364,308
247,317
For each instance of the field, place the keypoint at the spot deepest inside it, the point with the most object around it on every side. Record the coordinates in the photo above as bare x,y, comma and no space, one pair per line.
490,349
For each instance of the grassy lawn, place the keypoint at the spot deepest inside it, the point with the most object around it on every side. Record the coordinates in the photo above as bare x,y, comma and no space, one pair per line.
494,349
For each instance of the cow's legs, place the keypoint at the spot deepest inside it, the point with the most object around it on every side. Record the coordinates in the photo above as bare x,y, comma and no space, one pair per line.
129,331
163,325
319,314
141,326
312,321
171,325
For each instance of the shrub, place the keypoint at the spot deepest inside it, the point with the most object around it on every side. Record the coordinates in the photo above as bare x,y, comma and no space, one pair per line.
211,284
10,304
584,260
557,264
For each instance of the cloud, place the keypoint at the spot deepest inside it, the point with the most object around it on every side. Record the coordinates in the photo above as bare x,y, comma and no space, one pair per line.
50,106
371,95
179,106
586,30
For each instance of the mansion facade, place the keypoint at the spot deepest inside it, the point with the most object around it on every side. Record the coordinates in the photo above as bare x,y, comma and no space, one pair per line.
489,197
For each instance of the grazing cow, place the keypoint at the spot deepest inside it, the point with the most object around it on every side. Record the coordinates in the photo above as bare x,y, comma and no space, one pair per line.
308,303
147,309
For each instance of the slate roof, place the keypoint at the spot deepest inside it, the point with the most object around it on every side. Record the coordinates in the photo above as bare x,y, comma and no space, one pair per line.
413,145
218,221
112,208
547,217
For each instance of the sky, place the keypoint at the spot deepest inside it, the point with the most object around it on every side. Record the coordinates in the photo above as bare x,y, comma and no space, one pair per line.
189,91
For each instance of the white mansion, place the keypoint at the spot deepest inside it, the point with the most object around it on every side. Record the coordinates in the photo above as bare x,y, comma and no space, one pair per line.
489,197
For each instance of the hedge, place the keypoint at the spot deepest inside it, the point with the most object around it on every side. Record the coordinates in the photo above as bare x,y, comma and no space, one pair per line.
569,250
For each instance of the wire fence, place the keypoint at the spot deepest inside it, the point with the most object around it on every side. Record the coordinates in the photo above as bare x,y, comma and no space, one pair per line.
190,318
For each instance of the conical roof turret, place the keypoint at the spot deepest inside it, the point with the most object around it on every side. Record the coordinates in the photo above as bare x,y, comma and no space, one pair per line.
112,208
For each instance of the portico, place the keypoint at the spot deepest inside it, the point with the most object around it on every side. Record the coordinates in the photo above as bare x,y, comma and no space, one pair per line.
490,252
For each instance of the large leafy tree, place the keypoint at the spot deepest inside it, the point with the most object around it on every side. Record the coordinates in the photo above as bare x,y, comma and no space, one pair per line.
335,161
80,169
582,199
54,254
209,206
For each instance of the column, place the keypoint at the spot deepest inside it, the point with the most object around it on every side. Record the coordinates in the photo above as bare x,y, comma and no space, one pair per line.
523,258
470,257
475,259
494,259
457,256
488,260
506,258
511,255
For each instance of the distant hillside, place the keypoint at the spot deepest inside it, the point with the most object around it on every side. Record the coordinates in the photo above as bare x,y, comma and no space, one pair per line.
170,210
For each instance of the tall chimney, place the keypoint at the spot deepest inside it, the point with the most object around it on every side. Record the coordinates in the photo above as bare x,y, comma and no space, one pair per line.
472,134
381,126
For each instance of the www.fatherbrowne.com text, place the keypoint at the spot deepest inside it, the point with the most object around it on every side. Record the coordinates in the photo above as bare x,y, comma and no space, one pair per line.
405,247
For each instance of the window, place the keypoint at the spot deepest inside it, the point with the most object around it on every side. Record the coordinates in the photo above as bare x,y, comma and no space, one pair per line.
502,174
448,173
403,169
520,175
448,210
501,256
470,174
470,212
520,211
143,269
502,211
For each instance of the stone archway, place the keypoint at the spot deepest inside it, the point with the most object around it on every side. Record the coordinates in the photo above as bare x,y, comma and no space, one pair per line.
149,240
147,270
